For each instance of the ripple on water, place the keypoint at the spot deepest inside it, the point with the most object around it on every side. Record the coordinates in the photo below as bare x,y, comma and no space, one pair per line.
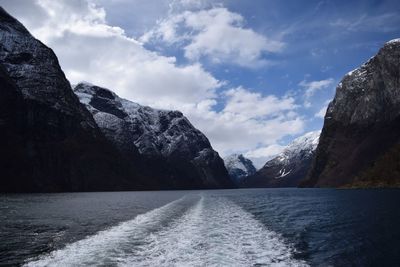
191,231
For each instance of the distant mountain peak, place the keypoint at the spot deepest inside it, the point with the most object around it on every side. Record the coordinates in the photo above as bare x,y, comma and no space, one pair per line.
239,167
289,167
393,41
306,143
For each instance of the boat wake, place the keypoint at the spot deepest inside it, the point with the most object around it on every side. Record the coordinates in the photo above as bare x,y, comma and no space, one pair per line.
191,231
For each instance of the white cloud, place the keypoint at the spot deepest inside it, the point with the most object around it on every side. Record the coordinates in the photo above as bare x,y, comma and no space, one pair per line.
312,87
89,49
317,52
261,155
247,125
216,34
386,22
321,113
254,105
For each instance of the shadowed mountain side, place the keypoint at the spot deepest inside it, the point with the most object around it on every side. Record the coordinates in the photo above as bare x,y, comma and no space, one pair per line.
50,141
361,130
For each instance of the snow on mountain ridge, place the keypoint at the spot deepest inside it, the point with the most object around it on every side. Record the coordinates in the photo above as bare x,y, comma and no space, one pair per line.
233,162
306,143
288,168
239,167
163,139
397,40
155,131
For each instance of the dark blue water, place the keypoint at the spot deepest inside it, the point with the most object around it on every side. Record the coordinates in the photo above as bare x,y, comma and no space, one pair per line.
261,227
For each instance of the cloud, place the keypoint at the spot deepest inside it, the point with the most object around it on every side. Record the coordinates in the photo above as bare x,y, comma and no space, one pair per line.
312,87
90,49
261,155
216,34
317,52
247,120
386,22
240,131
321,113
255,105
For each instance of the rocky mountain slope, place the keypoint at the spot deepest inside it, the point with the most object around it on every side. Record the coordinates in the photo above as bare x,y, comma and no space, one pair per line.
50,142
239,167
360,139
180,155
289,167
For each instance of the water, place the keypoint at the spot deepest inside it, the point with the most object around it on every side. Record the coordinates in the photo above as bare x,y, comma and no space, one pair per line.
251,227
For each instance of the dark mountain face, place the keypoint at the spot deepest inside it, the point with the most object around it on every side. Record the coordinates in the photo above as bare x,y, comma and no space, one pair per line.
360,139
179,154
50,142
289,167
239,167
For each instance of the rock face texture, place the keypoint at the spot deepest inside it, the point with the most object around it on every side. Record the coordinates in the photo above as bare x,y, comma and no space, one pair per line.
359,144
50,142
289,167
180,155
239,167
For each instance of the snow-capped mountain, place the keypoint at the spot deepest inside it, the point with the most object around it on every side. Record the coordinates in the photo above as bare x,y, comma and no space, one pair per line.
360,140
49,141
289,167
165,136
239,167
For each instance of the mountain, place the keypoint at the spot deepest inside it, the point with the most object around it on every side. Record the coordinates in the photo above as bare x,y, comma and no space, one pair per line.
239,167
49,141
179,154
289,167
360,140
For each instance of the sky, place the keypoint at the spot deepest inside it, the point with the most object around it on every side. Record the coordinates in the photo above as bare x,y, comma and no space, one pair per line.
251,75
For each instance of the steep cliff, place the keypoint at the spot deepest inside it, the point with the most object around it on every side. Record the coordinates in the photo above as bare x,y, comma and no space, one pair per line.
49,141
359,142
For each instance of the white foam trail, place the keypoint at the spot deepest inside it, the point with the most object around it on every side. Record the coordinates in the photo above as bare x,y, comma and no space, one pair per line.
214,232
209,231
106,247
